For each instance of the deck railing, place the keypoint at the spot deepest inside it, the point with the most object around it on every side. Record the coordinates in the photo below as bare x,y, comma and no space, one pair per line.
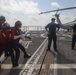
33,28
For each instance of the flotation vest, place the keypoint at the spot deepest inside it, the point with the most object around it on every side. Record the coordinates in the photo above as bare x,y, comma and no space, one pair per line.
4,39
15,32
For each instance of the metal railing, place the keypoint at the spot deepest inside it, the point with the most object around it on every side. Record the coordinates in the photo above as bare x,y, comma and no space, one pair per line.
33,28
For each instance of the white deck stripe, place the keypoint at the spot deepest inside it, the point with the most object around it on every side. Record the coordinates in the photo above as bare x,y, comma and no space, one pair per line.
55,61
66,35
55,66
43,35
37,66
61,38
28,44
2,57
63,66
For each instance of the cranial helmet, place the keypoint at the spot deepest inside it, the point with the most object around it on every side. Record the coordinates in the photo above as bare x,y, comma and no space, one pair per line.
5,25
2,18
18,23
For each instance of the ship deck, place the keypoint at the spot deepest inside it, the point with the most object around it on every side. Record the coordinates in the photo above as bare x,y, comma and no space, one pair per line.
44,62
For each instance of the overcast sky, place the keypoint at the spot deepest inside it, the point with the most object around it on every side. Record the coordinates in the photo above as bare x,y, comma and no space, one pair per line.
27,11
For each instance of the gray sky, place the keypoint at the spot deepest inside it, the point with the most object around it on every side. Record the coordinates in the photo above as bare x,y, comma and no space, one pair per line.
27,11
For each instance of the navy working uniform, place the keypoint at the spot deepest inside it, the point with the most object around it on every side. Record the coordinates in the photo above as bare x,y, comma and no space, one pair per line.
74,36
51,28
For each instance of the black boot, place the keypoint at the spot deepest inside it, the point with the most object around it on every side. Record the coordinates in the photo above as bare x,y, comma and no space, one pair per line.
27,55
56,50
13,64
16,64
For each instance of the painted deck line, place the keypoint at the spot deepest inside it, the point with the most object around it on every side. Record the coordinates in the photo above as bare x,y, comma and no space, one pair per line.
37,66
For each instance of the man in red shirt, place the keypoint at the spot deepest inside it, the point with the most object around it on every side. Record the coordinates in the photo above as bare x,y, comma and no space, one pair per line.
4,37
16,32
5,41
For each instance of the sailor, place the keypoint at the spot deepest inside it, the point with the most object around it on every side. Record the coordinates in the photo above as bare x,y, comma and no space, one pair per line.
16,31
51,29
74,36
5,41
5,28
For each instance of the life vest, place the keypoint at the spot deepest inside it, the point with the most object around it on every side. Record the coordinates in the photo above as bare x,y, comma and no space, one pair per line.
4,39
15,32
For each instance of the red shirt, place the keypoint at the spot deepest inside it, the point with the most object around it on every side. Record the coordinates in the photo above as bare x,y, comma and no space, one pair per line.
4,39
15,32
